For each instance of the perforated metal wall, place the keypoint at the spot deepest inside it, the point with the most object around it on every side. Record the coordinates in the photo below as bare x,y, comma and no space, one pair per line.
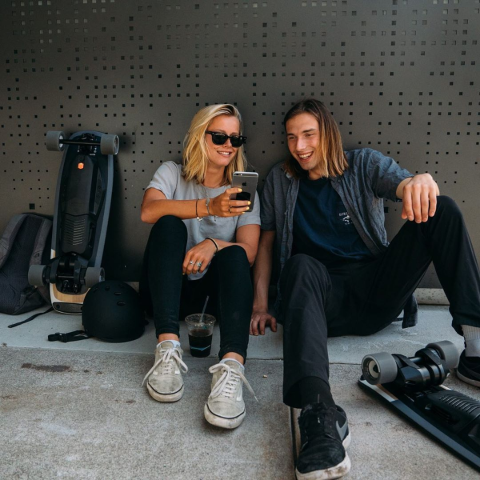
400,76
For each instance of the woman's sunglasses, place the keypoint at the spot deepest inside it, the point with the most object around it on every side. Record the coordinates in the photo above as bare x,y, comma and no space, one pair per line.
221,138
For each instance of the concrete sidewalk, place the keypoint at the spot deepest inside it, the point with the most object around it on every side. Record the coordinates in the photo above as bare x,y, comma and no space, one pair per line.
78,411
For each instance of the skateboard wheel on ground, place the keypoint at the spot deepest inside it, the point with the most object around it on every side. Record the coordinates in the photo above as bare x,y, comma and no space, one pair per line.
379,368
54,139
35,275
447,351
109,144
94,275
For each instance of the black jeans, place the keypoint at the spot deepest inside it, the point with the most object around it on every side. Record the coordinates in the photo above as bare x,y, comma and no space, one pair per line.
364,297
168,294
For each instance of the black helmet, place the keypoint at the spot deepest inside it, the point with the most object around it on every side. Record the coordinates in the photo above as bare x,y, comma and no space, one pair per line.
112,312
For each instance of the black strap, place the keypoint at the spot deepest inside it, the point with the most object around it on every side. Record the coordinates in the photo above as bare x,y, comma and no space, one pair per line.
69,337
29,319
410,312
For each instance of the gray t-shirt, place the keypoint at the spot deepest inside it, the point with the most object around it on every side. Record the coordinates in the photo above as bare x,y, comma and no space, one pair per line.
168,179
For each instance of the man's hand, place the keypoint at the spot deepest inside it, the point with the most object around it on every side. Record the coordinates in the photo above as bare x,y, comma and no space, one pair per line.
260,320
419,195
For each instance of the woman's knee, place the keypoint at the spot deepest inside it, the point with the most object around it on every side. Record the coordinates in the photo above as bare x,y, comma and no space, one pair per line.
234,255
170,227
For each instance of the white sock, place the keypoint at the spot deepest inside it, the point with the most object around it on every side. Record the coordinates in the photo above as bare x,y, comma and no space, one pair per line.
472,340
233,360
175,343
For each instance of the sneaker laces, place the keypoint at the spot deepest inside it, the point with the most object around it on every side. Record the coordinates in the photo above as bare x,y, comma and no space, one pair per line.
314,423
227,383
169,357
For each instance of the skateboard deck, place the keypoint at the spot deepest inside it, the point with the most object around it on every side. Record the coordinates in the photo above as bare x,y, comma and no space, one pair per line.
82,206
67,302
433,410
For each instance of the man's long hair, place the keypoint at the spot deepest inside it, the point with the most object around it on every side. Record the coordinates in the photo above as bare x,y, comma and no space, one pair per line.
333,158
195,157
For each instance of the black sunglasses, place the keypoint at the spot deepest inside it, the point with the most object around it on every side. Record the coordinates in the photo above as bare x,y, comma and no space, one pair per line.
221,138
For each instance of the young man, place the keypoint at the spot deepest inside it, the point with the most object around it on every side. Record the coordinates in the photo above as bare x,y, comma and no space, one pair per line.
323,218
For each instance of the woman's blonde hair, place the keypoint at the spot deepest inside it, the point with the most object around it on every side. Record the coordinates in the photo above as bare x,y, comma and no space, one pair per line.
333,157
195,157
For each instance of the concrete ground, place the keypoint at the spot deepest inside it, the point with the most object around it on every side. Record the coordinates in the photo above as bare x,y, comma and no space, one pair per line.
78,411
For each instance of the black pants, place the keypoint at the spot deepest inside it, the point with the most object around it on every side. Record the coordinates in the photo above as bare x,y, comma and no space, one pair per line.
168,294
364,297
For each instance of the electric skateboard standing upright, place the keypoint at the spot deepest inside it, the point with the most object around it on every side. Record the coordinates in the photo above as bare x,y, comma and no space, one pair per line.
82,206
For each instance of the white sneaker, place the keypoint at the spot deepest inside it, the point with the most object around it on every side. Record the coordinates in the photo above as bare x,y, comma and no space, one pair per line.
164,379
225,406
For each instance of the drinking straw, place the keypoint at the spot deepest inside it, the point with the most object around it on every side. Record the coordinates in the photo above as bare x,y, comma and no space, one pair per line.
204,308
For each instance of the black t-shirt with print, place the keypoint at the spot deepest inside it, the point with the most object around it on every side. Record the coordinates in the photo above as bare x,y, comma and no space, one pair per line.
322,227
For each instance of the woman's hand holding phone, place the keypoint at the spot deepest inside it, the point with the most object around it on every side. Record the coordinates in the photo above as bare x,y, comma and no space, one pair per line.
224,206
247,181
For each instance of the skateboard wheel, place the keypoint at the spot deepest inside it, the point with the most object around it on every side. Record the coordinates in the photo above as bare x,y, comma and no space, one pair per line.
94,275
53,141
379,368
447,351
35,275
109,144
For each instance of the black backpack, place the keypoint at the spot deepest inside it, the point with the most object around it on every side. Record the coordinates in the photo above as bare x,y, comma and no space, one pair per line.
25,241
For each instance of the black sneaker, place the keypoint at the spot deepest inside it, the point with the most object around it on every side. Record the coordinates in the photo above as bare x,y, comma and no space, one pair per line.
468,369
325,436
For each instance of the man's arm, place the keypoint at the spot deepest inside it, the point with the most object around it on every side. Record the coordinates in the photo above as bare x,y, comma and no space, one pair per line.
419,195
261,280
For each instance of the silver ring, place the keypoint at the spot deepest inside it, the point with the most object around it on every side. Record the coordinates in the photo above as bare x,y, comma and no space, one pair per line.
199,264
191,262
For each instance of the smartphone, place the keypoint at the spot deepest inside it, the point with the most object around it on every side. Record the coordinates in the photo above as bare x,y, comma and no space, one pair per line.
247,181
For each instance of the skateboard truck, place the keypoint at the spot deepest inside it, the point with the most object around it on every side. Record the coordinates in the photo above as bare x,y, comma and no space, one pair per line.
69,274
430,366
109,144
413,386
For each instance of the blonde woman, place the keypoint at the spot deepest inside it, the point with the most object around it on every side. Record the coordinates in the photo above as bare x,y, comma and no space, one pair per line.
203,243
